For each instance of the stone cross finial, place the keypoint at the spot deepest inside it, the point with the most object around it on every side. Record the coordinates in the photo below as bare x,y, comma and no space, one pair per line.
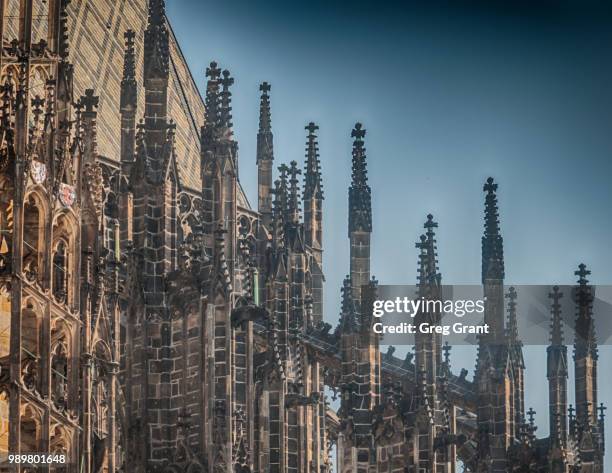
90,101
311,127
227,80
602,411
556,295
264,87
37,102
283,169
490,186
129,36
213,72
358,132
430,222
422,244
531,414
582,272
293,171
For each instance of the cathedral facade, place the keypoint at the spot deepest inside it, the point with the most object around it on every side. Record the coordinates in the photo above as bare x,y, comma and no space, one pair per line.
152,321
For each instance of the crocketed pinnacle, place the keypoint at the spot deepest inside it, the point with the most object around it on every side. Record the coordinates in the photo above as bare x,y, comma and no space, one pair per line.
293,205
427,271
265,121
512,323
556,324
313,185
225,115
156,42
128,80
492,242
265,148
432,254
278,211
348,315
585,342
360,195
212,100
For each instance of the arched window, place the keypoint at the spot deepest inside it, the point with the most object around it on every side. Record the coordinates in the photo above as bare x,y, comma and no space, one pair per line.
6,228
101,406
4,421
30,430
62,259
5,321
59,445
100,394
59,375
32,229
30,346
60,271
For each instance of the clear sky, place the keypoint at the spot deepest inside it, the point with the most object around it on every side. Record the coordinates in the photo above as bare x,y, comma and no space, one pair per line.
450,93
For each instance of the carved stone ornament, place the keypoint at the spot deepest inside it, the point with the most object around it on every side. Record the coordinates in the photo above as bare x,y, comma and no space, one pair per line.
39,172
67,194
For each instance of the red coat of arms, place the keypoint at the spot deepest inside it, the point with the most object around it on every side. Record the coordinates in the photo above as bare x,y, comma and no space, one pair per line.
39,172
67,195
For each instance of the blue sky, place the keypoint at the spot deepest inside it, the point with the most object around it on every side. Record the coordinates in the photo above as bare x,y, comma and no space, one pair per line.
450,93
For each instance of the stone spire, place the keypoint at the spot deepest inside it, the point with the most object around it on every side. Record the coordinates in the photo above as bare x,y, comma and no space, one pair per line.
360,205
265,156
492,242
360,216
585,340
313,185
428,347
515,349
128,80
556,372
433,276
129,98
313,194
493,268
585,351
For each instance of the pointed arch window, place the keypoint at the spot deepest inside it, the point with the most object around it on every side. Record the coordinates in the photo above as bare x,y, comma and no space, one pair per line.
6,234
59,375
30,430
59,445
60,271
32,240
31,322
4,421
